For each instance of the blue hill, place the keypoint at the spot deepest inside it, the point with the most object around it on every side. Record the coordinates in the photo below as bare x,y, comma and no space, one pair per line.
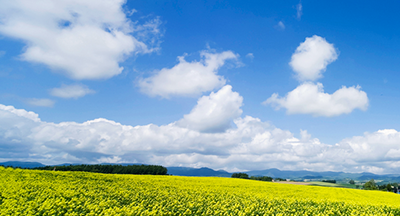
187,171
22,164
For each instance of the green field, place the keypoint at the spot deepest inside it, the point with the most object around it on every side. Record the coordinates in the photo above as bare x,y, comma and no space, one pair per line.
34,192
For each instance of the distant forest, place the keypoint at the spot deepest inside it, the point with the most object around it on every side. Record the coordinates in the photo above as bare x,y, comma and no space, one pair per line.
115,169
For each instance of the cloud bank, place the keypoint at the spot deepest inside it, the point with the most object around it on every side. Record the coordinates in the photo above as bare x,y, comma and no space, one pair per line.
80,39
250,144
188,78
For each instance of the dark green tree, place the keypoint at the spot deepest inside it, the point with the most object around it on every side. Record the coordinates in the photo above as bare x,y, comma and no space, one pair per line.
395,187
240,175
351,182
389,187
330,181
370,185
261,178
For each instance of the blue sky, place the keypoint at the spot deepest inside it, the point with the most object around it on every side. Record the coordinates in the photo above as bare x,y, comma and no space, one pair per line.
183,83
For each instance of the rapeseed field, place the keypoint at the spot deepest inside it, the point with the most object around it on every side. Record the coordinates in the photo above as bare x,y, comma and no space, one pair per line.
33,192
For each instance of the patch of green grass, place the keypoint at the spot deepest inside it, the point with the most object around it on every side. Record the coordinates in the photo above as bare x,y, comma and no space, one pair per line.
327,184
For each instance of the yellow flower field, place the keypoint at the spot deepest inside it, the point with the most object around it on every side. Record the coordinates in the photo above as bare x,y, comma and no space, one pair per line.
33,192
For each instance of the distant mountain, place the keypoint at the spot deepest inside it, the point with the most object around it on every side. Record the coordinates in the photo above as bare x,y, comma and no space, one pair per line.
304,174
22,164
123,164
65,164
36,164
374,176
187,171
274,173
313,177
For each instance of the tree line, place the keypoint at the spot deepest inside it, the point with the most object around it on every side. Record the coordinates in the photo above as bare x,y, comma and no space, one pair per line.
371,185
330,181
259,178
114,169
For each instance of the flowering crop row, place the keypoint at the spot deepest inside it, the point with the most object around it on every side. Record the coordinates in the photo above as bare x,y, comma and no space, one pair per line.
33,192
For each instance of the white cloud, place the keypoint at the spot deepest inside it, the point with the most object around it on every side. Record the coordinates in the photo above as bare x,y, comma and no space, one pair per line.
131,12
83,39
299,10
71,91
309,61
41,102
214,113
310,98
281,25
19,113
113,159
312,57
251,145
379,149
250,55
188,78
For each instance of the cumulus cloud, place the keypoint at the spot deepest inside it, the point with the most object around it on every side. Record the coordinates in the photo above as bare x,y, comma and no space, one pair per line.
40,102
18,113
379,150
214,113
71,91
310,98
188,78
81,39
251,144
312,57
309,61
375,147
